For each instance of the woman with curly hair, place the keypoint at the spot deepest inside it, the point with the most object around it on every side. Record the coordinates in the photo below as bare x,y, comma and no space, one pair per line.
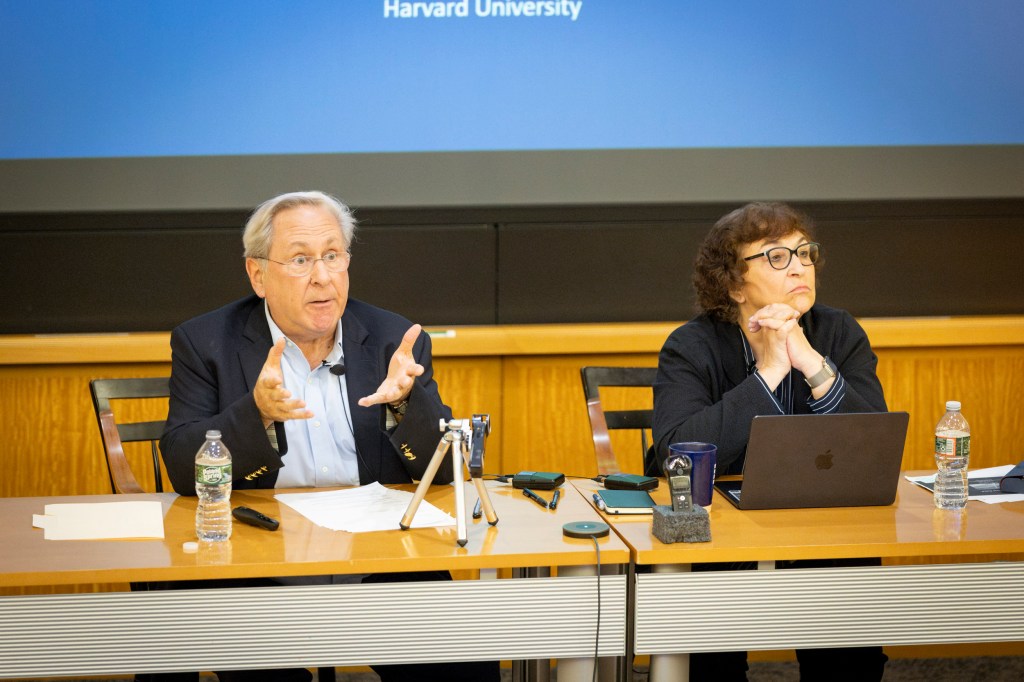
762,345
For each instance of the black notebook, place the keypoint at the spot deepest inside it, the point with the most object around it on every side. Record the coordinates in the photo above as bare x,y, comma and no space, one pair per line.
829,460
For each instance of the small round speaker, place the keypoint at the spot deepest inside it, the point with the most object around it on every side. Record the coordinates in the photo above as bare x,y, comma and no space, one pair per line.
585,529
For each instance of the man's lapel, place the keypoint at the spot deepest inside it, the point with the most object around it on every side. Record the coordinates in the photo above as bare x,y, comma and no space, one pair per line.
364,371
252,353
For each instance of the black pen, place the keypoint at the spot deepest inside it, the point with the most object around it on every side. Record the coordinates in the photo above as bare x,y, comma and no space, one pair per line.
535,497
477,512
599,502
554,499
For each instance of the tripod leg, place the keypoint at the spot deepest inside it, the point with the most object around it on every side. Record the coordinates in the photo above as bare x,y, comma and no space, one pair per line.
458,459
485,501
421,489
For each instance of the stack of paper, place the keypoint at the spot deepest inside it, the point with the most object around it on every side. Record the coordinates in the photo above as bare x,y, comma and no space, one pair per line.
983,484
101,521
366,508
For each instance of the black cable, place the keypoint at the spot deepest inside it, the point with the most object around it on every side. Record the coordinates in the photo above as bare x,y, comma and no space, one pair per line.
597,634
352,428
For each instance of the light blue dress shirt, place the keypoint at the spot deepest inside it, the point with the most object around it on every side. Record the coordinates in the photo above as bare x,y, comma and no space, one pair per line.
321,450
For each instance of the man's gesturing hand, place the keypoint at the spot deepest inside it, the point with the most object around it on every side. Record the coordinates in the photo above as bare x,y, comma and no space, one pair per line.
402,373
273,400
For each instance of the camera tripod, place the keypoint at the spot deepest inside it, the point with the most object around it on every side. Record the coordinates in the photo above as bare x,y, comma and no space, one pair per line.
469,439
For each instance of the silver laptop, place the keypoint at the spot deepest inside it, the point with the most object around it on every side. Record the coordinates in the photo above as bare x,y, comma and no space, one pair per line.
830,460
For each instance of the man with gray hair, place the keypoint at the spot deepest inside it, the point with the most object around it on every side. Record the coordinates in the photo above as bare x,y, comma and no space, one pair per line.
308,387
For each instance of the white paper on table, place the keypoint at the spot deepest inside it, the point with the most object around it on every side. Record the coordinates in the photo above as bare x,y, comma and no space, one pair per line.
990,472
366,508
101,521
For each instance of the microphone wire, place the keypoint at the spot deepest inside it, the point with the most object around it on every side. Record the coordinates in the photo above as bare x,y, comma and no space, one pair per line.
351,423
597,634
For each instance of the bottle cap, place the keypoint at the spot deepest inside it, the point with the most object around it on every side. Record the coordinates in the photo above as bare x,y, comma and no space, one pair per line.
212,433
950,405
190,547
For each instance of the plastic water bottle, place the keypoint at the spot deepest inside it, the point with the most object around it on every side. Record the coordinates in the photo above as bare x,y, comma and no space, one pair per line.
952,452
213,486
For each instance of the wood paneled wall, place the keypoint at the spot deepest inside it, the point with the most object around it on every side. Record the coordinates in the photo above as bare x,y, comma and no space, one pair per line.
526,377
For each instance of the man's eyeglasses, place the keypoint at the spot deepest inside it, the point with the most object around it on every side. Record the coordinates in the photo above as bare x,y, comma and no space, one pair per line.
779,257
300,266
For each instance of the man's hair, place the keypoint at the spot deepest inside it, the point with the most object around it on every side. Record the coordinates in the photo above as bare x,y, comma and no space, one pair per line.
719,266
259,229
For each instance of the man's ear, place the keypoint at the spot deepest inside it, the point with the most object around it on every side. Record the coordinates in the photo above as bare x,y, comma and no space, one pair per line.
255,272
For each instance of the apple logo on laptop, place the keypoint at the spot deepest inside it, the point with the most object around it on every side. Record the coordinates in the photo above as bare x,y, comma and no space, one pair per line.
824,461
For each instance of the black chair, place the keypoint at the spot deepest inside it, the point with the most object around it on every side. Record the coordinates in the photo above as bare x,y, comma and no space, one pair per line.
114,434
602,421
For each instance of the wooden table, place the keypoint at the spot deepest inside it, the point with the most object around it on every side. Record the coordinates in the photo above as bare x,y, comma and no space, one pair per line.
522,617
676,611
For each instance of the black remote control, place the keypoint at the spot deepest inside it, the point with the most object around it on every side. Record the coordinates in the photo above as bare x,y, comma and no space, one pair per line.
254,518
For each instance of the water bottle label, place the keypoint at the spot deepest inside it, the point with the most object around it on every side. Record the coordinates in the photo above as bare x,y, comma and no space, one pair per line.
213,475
953,447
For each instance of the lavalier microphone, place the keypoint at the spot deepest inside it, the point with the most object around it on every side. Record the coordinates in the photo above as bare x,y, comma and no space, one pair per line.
337,369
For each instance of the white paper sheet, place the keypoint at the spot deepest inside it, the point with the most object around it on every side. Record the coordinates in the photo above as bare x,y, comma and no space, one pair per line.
101,521
980,473
366,508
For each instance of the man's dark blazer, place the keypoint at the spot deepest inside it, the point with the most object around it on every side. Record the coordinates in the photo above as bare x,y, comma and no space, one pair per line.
216,360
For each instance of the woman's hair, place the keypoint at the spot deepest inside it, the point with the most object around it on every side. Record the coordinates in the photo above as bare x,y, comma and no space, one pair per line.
719,266
259,230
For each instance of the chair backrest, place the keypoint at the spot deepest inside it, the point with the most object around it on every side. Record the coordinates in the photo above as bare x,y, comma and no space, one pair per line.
601,420
113,434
